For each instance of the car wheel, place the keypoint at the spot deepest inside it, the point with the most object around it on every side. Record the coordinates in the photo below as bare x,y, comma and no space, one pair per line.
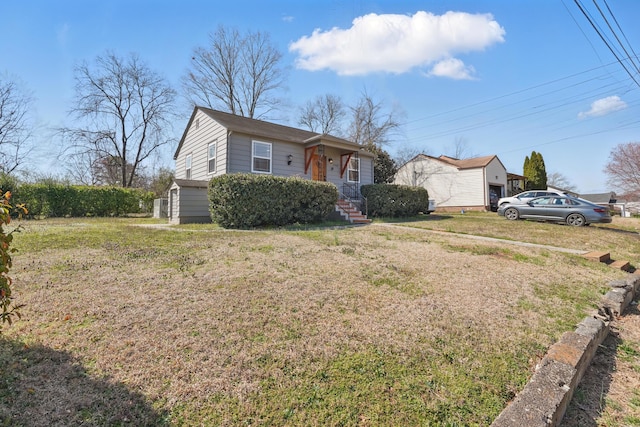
512,214
576,220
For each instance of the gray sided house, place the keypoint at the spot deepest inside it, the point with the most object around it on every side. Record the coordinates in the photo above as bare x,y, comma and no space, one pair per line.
456,184
215,143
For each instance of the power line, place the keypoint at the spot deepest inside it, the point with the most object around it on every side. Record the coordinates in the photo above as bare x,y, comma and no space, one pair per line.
595,27
468,122
620,28
616,35
517,92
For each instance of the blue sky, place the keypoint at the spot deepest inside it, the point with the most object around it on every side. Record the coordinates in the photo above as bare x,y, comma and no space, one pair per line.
505,77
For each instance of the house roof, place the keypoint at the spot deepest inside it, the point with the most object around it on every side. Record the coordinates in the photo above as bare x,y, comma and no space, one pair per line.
603,198
474,163
264,129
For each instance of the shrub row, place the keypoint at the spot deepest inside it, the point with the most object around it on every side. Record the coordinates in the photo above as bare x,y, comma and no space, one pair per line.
392,201
248,200
61,200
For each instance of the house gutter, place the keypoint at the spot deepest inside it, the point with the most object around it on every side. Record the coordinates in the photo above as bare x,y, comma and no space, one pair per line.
228,159
484,180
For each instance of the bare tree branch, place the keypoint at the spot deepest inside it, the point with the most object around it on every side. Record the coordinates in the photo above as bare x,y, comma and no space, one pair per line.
236,74
124,110
558,180
371,126
324,115
16,125
460,149
623,168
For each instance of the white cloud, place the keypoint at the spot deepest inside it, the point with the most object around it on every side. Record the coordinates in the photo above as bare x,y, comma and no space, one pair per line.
452,68
398,43
604,106
288,18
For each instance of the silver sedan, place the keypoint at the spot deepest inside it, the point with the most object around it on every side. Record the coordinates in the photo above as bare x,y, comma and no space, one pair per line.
569,210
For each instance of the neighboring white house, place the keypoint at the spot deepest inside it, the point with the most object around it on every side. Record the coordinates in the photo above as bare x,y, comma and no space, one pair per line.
456,184
215,143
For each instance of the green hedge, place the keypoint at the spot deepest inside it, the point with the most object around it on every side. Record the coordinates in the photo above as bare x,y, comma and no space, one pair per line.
61,200
393,201
248,200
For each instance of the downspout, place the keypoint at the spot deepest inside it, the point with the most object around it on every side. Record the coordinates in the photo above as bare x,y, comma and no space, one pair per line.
228,146
485,185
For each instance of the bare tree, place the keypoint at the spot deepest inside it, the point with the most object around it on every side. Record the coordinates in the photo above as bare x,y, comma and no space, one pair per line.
124,111
623,169
237,74
15,124
460,149
324,115
372,125
80,167
405,154
558,180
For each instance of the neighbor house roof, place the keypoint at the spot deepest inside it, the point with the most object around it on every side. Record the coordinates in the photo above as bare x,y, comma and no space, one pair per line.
260,128
474,163
600,198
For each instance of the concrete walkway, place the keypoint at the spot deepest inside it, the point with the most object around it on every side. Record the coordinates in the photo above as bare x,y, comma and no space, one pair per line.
486,239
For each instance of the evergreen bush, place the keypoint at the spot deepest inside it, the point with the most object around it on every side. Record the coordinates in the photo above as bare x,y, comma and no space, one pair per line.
395,201
249,200
62,200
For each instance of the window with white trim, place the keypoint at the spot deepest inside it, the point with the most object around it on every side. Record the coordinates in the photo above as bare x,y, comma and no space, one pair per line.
211,157
261,157
353,170
187,166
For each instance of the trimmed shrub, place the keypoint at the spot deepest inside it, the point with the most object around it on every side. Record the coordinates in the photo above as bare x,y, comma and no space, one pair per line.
61,200
393,201
248,200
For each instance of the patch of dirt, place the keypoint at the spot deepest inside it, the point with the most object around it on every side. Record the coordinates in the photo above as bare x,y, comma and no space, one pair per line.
609,393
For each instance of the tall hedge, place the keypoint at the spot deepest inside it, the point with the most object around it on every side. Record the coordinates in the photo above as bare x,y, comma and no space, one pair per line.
61,200
249,200
393,201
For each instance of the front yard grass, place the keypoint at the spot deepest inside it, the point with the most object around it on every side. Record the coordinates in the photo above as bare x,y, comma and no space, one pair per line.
352,326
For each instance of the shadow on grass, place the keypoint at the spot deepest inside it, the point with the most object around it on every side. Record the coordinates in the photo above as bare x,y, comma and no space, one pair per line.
618,230
419,218
590,397
40,386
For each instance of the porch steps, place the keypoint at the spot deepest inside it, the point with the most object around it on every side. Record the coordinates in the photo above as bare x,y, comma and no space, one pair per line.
351,213
605,258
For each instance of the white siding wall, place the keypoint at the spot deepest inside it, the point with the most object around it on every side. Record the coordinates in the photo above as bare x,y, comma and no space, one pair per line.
469,189
444,183
196,143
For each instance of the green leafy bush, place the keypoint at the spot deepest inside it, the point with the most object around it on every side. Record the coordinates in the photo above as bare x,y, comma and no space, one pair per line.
61,200
393,201
248,200
6,237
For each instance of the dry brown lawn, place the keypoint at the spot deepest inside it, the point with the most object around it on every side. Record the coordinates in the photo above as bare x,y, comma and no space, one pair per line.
375,325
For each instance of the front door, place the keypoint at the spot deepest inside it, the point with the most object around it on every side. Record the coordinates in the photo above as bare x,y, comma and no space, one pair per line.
319,168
